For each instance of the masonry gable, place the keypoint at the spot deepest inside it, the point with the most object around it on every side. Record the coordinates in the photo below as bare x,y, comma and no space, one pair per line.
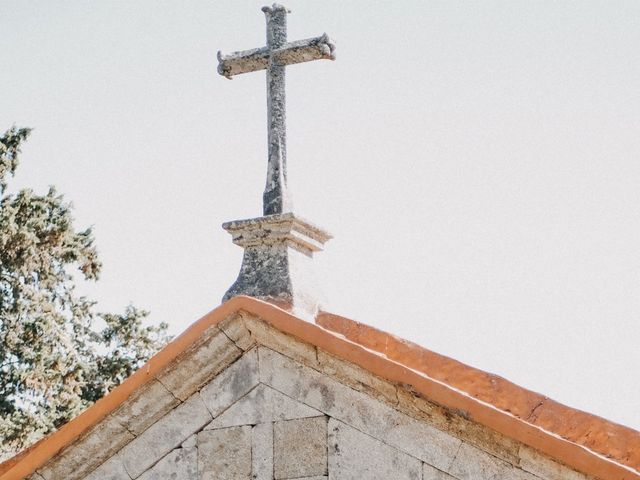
257,403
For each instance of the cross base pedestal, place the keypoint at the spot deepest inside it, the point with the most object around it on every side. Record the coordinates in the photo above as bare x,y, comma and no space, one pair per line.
276,266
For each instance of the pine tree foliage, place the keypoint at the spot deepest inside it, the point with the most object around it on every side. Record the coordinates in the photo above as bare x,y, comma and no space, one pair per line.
57,354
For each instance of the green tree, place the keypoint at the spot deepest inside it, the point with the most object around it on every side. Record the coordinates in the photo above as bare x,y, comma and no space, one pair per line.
57,354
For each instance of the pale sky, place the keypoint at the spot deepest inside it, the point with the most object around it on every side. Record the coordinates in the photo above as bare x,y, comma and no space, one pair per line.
477,162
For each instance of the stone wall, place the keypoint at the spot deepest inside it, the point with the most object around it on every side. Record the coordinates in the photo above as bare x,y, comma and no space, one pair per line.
284,410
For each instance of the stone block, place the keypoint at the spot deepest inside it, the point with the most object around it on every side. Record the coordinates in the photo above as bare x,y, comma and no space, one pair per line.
234,327
262,451
357,409
357,378
281,342
431,473
192,441
86,454
232,383
112,469
355,456
484,438
181,463
542,466
201,362
457,425
262,404
225,454
165,435
300,448
145,407
472,463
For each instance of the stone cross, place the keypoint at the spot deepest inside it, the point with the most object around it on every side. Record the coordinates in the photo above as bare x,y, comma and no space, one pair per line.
274,58
279,246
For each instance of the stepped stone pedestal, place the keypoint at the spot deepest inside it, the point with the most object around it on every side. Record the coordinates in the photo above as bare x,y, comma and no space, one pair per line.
276,266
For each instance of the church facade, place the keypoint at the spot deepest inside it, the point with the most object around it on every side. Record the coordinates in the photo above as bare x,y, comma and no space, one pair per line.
253,392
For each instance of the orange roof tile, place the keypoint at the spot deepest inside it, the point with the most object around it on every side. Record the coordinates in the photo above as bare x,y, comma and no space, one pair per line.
583,441
599,435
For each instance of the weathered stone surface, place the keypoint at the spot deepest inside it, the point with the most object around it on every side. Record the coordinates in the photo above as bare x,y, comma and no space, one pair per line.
300,448
192,441
145,407
165,435
181,463
256,59
534,462
456,424
112,469
300,382
323,477
103,441
474,464
357,409
262,404
234,327
277,262
276,340
212,353
354,456
231,384
262,451
278,246
431,473
357,378
400,398
225,454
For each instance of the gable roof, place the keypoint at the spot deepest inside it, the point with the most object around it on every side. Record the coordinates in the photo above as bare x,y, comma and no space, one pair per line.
583,441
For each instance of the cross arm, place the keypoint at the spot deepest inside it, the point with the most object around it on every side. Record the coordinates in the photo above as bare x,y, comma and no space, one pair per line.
318,48
243,62
246,61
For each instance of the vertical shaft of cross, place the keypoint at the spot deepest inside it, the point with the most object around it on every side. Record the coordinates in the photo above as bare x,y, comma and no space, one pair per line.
276,196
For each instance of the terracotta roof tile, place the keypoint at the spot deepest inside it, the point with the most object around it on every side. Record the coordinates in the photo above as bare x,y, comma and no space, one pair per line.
606,438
